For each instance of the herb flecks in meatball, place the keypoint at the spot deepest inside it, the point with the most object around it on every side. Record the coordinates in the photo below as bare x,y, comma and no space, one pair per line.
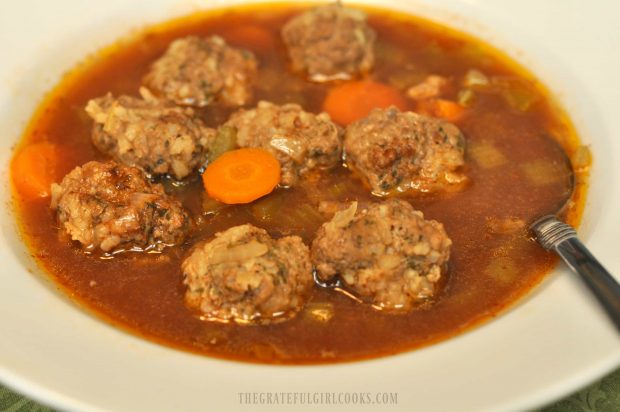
330,42
196,71
301,141
387,253
113,207
245,276
400,151
159,137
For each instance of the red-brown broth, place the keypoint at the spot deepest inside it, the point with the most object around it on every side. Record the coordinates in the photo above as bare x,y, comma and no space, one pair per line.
143,293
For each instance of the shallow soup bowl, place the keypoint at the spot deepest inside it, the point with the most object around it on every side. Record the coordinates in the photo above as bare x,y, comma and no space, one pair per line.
548,344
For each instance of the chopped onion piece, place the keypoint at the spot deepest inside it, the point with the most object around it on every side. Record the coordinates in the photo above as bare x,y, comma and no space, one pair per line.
431,87
290,147
475,78
239,253
344,217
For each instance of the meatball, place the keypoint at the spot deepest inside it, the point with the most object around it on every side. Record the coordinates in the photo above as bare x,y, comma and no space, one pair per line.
196,71
301,141
386,254
245,276
330,42
158,137
113,207
399,151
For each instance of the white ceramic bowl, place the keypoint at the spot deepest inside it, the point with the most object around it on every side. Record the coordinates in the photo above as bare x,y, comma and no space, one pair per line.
551,343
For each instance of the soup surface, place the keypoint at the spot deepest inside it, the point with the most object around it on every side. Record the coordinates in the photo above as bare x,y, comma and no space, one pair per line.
517,148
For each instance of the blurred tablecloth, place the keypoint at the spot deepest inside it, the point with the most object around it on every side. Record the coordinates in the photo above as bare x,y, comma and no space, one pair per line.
602,396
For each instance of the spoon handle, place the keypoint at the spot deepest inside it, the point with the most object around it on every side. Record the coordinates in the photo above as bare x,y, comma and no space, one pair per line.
555,235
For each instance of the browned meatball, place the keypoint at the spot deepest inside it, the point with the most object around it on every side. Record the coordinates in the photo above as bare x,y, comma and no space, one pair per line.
386,253
114,207
196,71
400,151
245,276
159,137
301,141
330,42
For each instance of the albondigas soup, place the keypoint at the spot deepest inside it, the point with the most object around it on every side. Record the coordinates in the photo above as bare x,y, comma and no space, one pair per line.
292,184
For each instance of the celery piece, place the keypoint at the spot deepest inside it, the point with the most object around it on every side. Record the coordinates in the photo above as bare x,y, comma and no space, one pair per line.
388,51
306,216
268,208
485,154
518,93
543,172
475,54
225,140
339,189
211,206
406,77
502,269
466,97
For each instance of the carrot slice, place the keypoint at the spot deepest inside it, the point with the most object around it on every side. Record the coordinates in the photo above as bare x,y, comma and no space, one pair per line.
242,175
352,101
251,36
442,108
35,168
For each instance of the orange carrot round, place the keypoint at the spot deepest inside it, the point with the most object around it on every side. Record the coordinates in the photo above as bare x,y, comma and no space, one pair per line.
445,109
251,36
35,168
352,101
242,175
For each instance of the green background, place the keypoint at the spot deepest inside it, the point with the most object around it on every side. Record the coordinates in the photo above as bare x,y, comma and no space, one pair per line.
602,396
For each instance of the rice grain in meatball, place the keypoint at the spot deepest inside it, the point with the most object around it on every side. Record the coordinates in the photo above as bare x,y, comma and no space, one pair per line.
399,151
330,42
301,141
386,253
196,71
245,276
112,207
157,136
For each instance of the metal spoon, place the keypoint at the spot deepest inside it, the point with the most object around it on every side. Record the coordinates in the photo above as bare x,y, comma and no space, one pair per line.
555,235
560,237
